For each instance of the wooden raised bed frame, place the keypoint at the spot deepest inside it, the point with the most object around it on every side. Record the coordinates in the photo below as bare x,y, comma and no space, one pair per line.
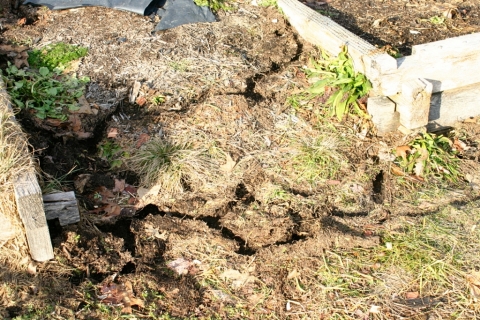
436,86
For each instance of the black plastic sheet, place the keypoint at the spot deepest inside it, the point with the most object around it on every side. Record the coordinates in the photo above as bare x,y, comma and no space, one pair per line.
173,13
177,12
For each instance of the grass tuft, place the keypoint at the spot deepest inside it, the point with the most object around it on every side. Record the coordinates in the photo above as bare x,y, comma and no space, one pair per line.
177,166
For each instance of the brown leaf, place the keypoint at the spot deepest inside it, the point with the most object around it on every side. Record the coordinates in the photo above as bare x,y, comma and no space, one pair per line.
397,171
112,133
130,189
412,295
75,122
53,122
113,210
403,151
229,165
141,101
22,21
119,185
32,268
460,145
142,139
473,281
84,106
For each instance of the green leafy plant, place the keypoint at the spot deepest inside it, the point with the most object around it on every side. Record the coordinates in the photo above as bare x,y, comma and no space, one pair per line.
437,20
158,100
46,91
429,157
348,85
111,152
57,55
215,5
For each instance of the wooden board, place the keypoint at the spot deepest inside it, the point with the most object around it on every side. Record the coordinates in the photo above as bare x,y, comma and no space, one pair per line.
28,196
453,105
330,36
63,206
447,64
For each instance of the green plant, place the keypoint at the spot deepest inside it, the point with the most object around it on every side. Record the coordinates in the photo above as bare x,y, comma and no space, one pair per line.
430,157
348,86
46,91
57,55
215,5
158,100
268,3
110,152
437,20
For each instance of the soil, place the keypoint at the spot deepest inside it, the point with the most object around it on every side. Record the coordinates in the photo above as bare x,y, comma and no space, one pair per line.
228,80
402,24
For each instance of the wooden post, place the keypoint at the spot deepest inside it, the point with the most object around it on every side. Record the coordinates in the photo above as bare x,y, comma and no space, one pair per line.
383,113
413,103
63,206
28,196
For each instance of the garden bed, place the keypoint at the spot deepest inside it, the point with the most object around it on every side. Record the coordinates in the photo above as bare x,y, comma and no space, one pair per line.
428,87
278,211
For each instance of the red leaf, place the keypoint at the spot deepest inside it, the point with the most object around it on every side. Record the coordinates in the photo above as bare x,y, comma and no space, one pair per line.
142,139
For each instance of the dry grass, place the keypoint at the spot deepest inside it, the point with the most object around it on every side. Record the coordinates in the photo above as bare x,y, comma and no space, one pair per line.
14,158
190,163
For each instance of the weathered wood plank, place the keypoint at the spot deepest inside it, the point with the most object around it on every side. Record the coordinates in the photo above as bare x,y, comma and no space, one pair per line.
63,206
28,196
383,113
447,64
330,36
450,106
413,103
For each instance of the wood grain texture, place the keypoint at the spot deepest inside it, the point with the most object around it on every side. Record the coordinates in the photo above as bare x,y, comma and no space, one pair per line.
413,103
28,196
450,106
62,205
447,64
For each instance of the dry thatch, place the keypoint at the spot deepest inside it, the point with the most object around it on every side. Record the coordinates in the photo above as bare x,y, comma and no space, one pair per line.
14,158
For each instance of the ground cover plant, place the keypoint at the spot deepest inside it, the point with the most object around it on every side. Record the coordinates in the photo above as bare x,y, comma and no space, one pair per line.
211,188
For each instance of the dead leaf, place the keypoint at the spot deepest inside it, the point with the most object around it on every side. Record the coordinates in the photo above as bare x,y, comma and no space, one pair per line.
21,22
75,122
112,210
53,122
142,139
83,106
141,101
418,169
374,309
412,295
180,265
119,185
333,182
293,274
112,133
120,294
229,165
473,281
130,189
238,279
32,268
459,145
397,171
471,120
403,151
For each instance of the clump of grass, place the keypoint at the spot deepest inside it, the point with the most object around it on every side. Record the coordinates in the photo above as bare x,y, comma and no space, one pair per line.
176,167
57,55
314,160
430,157
46,91
337,74
215,5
